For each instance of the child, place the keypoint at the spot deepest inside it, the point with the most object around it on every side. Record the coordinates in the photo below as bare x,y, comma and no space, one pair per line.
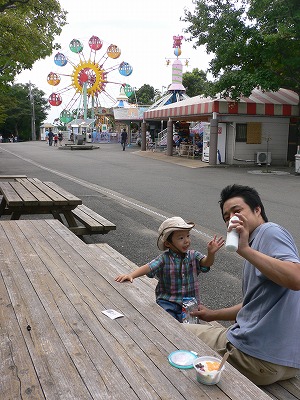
55,139
176,269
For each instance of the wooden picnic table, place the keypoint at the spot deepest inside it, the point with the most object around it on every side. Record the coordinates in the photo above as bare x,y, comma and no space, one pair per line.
22,196
56,343
32,196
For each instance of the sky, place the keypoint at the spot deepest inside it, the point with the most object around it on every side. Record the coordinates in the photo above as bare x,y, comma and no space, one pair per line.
143,30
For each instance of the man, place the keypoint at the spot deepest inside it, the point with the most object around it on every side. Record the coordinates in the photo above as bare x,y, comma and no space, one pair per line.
265,335
123,138
50,137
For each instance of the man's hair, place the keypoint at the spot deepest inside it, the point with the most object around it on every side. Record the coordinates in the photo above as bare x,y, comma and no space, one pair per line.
247,193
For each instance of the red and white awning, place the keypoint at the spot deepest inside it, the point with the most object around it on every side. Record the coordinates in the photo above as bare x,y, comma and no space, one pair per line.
283,103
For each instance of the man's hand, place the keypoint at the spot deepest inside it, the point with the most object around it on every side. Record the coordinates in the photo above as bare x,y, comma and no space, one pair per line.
242,227
223,314
204,313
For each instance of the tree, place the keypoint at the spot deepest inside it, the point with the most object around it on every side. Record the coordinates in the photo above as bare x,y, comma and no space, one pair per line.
11,4
27,32
145,95
18,110
255,43
195,83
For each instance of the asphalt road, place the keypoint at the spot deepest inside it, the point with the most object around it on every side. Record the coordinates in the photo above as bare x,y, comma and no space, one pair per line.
137,193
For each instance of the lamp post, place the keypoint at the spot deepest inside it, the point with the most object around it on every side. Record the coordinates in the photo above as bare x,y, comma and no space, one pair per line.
31,98
134,89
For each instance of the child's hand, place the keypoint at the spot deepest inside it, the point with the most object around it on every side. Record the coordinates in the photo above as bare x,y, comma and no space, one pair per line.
123,278
215,244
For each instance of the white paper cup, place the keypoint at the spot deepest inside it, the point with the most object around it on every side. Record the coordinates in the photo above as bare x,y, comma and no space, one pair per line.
204,375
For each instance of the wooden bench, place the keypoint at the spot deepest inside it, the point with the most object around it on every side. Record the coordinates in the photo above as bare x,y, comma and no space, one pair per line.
92,222
283,390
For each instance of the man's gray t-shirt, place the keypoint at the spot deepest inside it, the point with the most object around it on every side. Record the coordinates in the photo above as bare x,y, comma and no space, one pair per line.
268,325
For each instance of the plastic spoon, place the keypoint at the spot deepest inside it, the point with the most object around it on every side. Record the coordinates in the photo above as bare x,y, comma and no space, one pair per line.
226,355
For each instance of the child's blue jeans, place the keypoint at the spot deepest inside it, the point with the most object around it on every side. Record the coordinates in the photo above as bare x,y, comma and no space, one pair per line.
173,309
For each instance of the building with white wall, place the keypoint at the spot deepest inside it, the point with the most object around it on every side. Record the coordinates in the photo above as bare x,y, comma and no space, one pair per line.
257,124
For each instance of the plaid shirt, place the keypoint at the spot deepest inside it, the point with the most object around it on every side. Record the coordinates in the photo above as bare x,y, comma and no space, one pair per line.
177,276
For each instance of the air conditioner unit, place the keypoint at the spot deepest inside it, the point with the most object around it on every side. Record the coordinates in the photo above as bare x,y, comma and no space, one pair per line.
263,157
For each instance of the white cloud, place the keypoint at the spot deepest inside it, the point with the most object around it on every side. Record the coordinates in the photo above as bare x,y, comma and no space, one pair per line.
143,30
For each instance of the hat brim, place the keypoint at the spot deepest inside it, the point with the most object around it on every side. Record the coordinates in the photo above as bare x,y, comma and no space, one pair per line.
166,233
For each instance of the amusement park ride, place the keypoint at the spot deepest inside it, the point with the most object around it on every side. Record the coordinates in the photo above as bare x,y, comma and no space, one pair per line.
87,80
176,91
84,94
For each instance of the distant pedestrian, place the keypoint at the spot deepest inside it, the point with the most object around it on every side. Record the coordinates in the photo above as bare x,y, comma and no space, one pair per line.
60,138
50,137
55,139
123,138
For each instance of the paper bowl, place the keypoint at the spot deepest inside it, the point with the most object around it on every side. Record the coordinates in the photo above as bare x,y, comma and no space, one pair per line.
205,376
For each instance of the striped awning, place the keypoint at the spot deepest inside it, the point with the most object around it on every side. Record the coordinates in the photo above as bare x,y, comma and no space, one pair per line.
282,103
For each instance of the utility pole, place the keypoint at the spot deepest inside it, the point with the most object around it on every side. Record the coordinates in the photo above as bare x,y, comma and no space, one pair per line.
33,132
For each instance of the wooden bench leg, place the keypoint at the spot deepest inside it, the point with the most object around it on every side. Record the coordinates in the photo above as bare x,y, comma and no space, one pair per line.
15,215
2,205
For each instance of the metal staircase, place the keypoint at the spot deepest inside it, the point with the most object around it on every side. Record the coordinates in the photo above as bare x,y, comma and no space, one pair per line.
161,139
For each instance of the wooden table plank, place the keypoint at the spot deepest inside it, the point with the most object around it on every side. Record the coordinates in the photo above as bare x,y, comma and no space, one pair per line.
11,177
25,195
72,199
43,198
52,194
13,198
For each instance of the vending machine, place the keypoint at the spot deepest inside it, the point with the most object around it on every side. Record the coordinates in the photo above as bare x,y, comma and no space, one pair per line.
221,143
206,137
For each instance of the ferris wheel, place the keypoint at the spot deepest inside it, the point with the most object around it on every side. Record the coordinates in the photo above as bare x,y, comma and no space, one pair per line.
88,79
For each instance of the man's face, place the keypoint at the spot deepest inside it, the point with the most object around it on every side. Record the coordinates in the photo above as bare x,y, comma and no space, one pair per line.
238,205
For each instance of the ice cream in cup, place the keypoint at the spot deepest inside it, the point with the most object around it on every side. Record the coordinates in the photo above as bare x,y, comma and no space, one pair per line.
207,370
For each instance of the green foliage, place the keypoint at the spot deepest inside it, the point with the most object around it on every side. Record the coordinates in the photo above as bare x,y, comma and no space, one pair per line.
7,4
27,33
15,117
145,95
195,83
255,43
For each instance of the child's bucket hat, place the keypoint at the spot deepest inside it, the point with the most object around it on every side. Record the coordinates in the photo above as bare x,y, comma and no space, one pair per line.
170,225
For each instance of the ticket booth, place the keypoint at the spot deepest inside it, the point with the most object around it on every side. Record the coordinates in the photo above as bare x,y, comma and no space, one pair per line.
86,131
